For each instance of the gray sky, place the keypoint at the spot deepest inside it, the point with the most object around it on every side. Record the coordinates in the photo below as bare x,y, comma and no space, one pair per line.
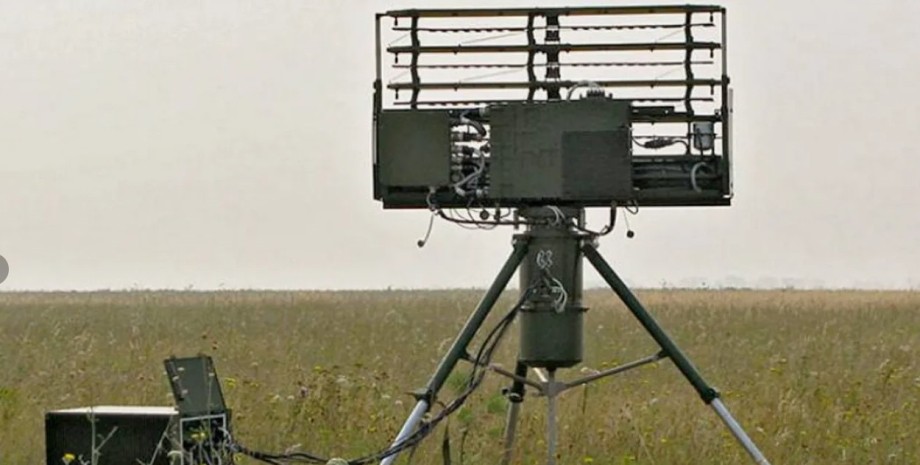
227,144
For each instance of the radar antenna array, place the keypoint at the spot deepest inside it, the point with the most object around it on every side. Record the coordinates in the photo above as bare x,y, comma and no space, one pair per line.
566,106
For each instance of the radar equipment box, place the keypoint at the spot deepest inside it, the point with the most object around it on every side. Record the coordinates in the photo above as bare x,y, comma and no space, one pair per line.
135,434
195,431
562,151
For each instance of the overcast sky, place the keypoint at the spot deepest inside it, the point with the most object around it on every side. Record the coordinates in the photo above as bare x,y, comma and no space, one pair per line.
226,144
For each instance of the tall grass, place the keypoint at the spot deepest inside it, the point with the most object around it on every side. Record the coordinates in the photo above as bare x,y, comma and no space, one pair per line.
816,377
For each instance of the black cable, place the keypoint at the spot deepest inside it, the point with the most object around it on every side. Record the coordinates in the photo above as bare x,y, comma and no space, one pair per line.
264,457
483,358
611,223
465,224
632,207
490,223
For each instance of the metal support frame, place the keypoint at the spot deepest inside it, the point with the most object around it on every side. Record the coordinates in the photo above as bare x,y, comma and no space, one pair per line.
546,384
458,350
206,450
709,394
551,433
515,396
550,388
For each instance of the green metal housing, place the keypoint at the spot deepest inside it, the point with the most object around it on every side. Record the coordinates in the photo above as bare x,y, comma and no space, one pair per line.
562,151
551,334
413,148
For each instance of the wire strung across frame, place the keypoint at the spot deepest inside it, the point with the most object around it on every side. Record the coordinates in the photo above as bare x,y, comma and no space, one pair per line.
574,64
500,102
586,27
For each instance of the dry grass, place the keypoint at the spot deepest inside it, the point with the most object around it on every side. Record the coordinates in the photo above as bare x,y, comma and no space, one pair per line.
816,377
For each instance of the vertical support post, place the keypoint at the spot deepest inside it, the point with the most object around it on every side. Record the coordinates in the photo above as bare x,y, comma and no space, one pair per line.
378,107
688,75
377,49
709,394
726,112
552,41
551,435
514,409
515,397
458,348
413,33
531,52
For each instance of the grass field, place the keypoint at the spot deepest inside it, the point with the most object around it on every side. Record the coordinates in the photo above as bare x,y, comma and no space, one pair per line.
816,377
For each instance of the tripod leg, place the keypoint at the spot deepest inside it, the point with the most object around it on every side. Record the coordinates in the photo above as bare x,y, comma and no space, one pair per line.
551,427
458,348
709,395
515,397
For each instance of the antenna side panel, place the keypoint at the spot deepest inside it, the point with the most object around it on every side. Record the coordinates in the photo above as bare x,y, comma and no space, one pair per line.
413,148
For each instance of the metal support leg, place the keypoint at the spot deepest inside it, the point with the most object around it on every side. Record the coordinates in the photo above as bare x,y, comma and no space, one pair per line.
515,397
408,427
514,409
614,371
551,436
550,388
458,348
709,395
738,432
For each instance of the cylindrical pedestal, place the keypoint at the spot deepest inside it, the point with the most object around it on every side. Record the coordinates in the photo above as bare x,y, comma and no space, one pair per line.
551,334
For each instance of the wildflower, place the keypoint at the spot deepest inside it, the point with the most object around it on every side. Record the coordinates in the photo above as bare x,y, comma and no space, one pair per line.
67,458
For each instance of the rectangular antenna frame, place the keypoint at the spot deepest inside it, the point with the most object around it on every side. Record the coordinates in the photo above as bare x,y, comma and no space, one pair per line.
668,62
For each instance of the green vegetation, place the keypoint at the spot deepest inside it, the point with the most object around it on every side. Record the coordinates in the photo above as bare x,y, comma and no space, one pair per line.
816,377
